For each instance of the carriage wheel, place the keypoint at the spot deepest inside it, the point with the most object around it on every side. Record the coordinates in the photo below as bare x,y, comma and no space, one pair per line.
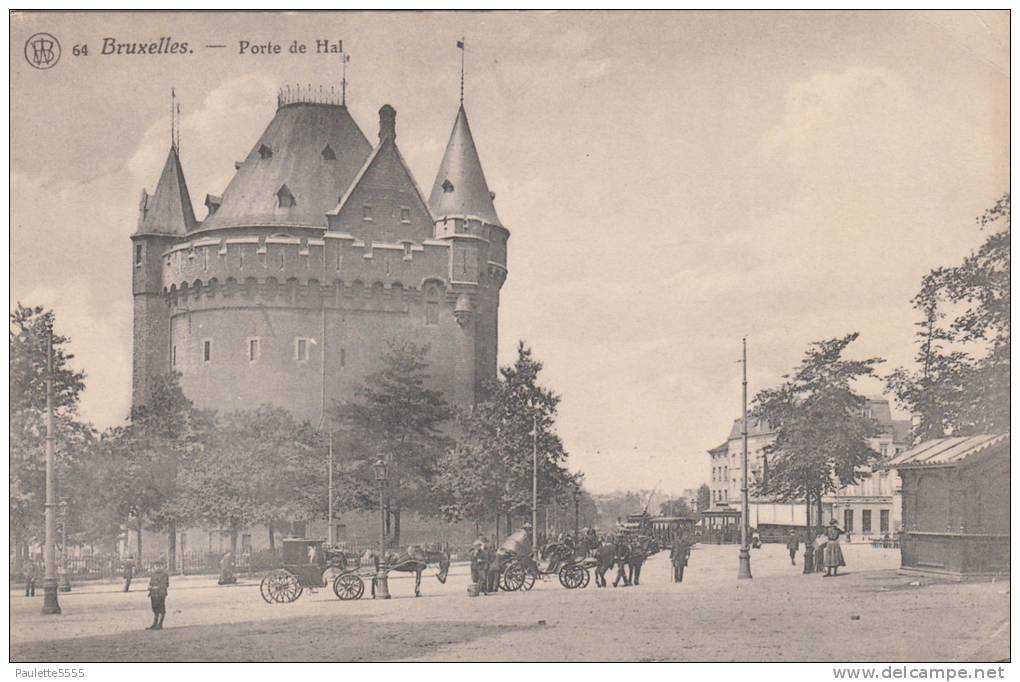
281,587
572,576
348,586
514,577
587,578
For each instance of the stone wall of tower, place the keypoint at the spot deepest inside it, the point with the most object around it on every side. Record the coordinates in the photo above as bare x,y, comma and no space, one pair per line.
151,318
346,298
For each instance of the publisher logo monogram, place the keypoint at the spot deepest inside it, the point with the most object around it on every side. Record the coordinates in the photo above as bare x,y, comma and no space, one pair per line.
42,51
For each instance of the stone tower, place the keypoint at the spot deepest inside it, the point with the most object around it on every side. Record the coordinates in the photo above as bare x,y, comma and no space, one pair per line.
465,216
321,249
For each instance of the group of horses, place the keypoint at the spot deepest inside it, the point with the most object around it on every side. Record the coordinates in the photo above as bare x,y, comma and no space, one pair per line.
627,553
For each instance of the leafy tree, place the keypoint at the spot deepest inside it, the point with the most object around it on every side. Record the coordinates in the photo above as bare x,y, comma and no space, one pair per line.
679,506
489,472
395,415
961,384
704,497
164,439
29,333
821,432
260,466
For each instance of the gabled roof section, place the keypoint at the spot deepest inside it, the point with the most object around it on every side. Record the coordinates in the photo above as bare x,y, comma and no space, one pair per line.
460,188
384,201
289,153
168,210
946,451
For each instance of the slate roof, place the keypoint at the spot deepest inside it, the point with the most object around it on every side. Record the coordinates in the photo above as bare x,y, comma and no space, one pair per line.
466,192
945,451
290,152
168,209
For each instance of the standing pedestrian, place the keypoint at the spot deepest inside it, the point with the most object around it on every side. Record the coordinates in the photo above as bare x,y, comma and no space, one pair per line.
793,544
833,553
492,571
678,556
129,572
819,549
159,585
479,564
622,552
31,573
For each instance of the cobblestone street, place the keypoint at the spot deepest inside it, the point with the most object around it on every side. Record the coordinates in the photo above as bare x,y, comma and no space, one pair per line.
871,613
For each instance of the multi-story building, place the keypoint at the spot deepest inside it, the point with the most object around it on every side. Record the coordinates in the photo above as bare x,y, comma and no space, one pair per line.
866,510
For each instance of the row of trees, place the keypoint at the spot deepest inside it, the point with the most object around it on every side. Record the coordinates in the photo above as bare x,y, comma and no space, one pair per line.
173,465
959,387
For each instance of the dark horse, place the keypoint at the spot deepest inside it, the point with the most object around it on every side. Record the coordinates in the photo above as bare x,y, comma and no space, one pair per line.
415,560
605,556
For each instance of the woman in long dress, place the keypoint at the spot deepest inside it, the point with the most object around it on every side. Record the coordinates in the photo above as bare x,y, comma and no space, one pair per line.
833,552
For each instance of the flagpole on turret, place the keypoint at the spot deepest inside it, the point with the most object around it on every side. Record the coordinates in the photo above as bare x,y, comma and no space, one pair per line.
173,118
460,45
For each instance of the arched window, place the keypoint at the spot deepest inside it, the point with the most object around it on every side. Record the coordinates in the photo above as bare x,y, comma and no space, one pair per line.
284,198
431,305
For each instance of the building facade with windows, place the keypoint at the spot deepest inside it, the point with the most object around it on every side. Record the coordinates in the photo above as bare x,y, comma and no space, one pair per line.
867,510
321,249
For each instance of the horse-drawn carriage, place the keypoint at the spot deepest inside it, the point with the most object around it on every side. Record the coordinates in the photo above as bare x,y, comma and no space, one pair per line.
310,564
520,570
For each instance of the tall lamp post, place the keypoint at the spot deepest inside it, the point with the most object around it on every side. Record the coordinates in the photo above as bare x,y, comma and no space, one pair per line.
381,586
65,579
744,571
534,475
51,604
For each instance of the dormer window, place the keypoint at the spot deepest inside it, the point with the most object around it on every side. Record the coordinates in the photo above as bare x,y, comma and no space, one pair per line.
265,152
328,154
366,213
447,185
405,214
284,199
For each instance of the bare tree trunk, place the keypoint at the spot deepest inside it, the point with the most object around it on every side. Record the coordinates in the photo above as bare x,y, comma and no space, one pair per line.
16,543
233,540
809,545
272,536
138,545
171,535
509,523
818,516
396,527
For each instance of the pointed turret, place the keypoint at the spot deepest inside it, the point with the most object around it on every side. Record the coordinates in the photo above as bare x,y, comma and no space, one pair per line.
460,189
168,210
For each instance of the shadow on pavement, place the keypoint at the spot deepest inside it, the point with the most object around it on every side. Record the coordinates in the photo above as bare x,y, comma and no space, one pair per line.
307,638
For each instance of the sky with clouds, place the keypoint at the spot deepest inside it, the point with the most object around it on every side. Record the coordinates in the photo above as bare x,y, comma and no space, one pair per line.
672,182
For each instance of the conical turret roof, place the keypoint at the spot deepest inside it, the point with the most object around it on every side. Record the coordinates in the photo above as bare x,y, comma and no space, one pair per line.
309,155
460,188
168,210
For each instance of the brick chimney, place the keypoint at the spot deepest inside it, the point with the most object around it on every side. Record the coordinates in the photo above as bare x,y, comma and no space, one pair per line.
387,123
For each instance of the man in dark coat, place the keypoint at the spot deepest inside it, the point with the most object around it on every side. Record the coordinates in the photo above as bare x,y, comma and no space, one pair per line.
493,570
31,573
793,544
678,556
159,585
129,573
622,553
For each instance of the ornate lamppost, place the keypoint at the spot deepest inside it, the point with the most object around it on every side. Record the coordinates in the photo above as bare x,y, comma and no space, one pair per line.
381,586
51,604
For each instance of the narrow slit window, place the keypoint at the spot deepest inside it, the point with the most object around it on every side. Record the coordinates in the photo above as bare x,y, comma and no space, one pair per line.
301,349
138,255
207,350
343,357
405,215
366,212
254,350
432,306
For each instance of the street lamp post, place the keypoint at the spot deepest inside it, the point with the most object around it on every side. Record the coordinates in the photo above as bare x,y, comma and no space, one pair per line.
534,475
330,530
65,579
51,604
381,587
744,571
